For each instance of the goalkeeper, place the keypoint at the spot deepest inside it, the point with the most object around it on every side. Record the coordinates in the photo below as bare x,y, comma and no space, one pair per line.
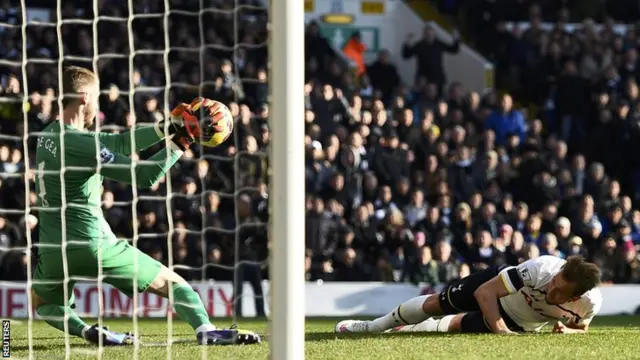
90,242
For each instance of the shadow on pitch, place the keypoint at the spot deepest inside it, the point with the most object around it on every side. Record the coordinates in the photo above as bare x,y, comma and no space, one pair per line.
147,340
146,335
48,347
93,347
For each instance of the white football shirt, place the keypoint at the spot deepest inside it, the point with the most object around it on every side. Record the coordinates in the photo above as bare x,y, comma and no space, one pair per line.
526,304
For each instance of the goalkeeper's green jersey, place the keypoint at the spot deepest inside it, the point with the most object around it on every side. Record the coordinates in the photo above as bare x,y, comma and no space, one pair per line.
78,161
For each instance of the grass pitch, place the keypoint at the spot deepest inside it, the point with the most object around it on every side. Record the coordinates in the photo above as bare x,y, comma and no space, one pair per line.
613,337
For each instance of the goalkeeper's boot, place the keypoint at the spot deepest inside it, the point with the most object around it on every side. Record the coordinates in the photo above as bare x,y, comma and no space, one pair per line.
231,336
109,338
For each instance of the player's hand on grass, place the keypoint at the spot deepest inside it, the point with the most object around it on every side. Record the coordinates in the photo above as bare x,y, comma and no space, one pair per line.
560,328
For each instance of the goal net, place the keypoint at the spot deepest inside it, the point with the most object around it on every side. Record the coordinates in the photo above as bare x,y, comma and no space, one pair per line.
207,218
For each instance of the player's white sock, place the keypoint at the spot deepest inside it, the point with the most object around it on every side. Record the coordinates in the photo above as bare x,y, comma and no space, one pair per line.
409,312
443,324
435,325
205,328
430,325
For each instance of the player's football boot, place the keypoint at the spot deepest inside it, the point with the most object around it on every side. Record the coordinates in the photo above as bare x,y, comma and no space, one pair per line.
109,338
231,336
353,326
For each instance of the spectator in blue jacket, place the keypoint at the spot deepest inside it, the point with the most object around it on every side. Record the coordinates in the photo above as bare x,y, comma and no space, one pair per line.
506,121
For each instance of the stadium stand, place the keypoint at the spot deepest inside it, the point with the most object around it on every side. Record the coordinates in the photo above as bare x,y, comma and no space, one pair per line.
404,183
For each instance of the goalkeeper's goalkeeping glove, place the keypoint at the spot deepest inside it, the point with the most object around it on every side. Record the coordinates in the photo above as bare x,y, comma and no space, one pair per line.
184,126
176,122
187,125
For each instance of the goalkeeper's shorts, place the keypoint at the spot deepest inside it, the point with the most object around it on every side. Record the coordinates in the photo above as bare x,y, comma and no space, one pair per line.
118,268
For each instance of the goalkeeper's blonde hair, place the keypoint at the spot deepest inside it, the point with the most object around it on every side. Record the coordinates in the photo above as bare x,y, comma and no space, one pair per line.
74,79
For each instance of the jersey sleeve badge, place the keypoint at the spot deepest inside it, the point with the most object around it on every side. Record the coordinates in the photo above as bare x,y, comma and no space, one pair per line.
107,156
524,274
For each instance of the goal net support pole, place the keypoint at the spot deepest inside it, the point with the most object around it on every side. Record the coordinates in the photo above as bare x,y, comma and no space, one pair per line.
286,198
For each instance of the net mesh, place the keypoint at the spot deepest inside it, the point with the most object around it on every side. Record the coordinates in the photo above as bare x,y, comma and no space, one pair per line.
207,217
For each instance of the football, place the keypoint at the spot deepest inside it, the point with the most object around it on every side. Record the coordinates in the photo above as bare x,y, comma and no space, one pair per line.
211,111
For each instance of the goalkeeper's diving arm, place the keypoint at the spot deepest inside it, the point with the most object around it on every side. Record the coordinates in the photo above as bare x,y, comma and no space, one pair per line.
147,173
183,132
144,136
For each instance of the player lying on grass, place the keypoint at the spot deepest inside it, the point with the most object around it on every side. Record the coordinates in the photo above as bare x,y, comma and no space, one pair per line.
90,242
502,300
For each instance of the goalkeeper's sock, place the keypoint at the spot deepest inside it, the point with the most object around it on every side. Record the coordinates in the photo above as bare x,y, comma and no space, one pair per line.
190,308
409,312
54,316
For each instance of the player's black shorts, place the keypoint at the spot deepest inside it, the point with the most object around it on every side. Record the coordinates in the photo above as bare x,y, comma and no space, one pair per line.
459,298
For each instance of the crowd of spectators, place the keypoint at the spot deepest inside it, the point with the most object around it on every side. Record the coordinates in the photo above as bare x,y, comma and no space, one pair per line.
421,183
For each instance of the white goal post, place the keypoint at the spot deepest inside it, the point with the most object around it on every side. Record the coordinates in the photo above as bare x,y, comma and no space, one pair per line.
287,216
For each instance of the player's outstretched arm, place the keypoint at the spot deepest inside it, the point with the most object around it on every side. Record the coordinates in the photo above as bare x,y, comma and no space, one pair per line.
117,167
145,135
487,296
147,173
81,151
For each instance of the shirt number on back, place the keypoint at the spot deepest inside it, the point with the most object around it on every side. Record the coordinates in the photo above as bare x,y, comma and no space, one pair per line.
43,190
